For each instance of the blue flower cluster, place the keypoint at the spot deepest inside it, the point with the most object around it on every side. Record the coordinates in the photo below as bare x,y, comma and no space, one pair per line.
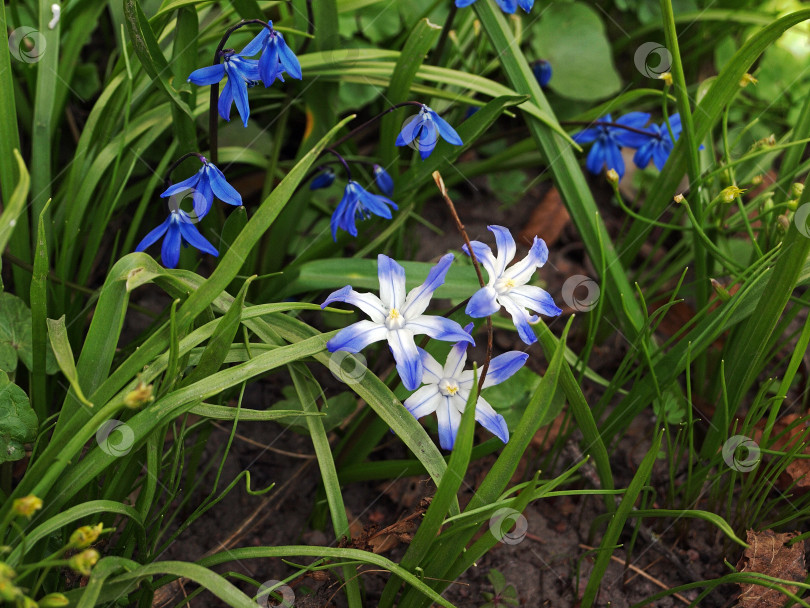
243,73
397,316
179,228
422,132
507,6
654,142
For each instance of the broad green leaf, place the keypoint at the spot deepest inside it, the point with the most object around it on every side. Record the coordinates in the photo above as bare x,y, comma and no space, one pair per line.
18,422
571,36
15,335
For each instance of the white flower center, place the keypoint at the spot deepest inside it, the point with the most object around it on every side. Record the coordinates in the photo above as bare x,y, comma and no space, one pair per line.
448,387
394,320
503,285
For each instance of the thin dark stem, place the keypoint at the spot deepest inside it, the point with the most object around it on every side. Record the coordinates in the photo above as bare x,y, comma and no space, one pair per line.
310,28
213,99
168,180
437,177
341,160
448,25
600,123
371,121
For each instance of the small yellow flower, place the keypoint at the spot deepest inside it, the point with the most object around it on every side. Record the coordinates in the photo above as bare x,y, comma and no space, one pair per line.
678,198
727,195
756,180
26,505
85,536
666,77
797,189
612,176
83,562
747,79
141,395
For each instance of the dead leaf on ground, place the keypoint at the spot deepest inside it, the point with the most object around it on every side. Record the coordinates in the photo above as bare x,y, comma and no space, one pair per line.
786,433
769,554
547,220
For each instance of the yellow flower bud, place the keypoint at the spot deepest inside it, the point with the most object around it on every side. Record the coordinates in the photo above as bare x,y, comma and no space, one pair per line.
747,79
141,395
797,189
612,176
678,198
793,204
26,505
6,571
8,591
85,536
83,562
756,180
53,600
783,223
666,77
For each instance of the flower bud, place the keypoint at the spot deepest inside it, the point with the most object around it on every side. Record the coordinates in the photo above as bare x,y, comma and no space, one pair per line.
26,505
542,72
612,176
8,590
83,562
678,198
384,181
324,180
747,79
666,77
23,601
720,291
53,600
6,571
756,180
782,222
141,395
85,536
797,189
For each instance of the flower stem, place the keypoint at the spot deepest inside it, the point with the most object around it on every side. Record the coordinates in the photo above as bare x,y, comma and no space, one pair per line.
341,160
604,123
168,180
437,177
448,25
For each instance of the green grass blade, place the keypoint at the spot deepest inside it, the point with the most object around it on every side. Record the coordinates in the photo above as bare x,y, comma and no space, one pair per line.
39,314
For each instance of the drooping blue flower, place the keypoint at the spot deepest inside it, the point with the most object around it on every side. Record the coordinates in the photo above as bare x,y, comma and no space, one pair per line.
179,229
447,389
204,185
358,204
542,72
508,287
507,6
657,147
397,317
276,55
423,131
608,141
323,180
242,74
384,181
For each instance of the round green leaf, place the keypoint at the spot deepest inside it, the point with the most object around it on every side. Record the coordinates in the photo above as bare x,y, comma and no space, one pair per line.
18,422
571,36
